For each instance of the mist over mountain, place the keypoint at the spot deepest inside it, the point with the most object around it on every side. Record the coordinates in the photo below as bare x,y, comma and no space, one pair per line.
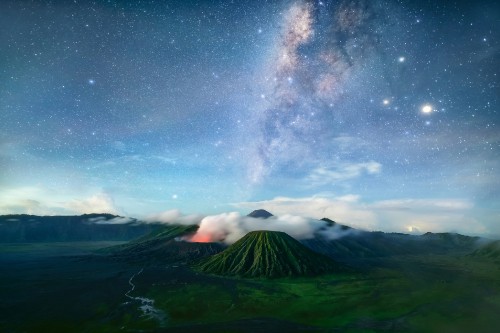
87,227
324,236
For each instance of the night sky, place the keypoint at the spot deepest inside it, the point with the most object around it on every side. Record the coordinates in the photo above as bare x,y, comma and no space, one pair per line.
378,114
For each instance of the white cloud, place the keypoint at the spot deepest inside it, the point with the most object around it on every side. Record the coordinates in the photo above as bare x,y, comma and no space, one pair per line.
116,220
98,203
173,216
434,215
427,204
342,172
229,227
44,201
345,209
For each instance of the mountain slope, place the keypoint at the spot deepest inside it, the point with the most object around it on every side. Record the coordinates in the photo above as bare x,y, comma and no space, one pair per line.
87,227
490,250
165,245
357,244
269,254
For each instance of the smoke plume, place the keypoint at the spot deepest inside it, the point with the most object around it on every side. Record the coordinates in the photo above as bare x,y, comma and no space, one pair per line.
229,227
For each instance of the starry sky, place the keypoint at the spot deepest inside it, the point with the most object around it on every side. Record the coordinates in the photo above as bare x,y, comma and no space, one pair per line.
379,114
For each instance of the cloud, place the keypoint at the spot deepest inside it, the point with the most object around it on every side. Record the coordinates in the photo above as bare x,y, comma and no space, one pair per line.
43,201
23,206
26,200
230,227
434,215
173,216
98,203
342,172
116,220
423,204
345,209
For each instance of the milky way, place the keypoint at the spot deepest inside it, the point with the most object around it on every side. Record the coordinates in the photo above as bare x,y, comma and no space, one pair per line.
379,114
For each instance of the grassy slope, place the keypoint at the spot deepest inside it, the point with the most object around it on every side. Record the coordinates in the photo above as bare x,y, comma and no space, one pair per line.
162,245
163,233
268,254
427,293
378,244
489,250
413,294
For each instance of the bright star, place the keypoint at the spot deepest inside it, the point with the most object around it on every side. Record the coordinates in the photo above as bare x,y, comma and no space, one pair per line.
385,102
91,81
427,108
401,59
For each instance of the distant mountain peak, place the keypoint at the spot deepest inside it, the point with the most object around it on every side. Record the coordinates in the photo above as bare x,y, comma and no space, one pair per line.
328,221
332,223
260,213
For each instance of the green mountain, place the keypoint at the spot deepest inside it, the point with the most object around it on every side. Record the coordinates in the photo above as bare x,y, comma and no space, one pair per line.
165,244
88,227
353,244
489,250
269,254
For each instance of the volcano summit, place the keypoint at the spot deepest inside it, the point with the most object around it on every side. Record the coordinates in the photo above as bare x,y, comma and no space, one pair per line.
269,254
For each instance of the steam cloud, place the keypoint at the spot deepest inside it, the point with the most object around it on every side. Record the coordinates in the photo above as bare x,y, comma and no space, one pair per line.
229,227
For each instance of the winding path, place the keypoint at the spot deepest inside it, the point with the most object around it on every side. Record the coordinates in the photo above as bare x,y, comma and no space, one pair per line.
147,305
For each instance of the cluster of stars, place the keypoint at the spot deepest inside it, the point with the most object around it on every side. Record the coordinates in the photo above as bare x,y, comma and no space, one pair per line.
228,101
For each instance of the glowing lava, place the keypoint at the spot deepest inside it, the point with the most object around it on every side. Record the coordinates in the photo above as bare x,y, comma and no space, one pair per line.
201,238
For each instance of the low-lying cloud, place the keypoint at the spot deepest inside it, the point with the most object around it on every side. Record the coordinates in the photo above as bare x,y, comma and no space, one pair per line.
229,227
401,215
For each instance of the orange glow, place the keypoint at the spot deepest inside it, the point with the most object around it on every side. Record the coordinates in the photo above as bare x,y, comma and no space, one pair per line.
201,238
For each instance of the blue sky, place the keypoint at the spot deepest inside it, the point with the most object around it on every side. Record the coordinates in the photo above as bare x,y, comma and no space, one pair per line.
383,116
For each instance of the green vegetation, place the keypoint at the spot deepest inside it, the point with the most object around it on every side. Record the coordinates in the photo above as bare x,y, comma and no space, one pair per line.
489,250
269,254
163,245
162,234
40,292
437,283
87,227
415,294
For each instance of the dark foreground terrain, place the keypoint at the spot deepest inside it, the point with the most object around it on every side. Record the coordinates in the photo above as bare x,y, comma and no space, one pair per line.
66,287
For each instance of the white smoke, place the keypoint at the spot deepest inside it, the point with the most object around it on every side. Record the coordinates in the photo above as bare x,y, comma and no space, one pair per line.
229,227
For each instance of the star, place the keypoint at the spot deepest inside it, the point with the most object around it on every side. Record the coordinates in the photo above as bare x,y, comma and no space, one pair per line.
427,108
235,100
